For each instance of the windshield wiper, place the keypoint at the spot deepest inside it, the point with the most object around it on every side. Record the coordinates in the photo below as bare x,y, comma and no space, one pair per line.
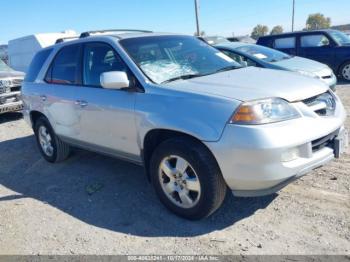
183,77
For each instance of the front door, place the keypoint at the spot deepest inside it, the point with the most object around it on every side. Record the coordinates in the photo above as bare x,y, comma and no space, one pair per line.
106,116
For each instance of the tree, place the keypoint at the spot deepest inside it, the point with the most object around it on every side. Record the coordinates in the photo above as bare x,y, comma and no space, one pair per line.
278,29
317,21
259,30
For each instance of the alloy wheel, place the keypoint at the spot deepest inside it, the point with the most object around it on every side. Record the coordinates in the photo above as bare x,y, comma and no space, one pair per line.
346,72
45,141
179,181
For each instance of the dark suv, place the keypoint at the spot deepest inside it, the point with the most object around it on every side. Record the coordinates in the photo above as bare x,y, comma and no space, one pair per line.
330,47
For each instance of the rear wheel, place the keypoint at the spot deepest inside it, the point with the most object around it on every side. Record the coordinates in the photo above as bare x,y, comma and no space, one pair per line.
345,71
187,178
52,148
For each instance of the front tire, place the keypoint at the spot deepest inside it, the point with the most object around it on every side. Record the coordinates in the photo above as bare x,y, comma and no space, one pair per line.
51,147
187,178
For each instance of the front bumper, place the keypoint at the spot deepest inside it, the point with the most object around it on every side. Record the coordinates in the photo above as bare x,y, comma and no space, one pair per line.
251,158
10,102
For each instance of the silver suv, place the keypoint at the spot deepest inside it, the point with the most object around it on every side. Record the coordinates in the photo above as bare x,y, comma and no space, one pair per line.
195,119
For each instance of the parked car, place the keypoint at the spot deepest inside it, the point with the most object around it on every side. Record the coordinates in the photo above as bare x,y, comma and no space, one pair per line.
214,40
194,118
244,39
10,86
330,47
255,55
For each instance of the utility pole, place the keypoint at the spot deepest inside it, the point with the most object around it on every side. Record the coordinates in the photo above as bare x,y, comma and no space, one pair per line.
196,5
293,15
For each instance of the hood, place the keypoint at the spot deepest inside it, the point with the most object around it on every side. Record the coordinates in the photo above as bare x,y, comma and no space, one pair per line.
11,74
252,83
298,63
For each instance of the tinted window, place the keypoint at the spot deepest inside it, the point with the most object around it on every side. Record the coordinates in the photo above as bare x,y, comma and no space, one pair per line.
314,41
64,69
36,64
287,42
100,58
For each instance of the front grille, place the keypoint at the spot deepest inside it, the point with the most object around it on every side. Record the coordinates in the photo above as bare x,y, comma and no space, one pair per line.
322,142
322,105
327,77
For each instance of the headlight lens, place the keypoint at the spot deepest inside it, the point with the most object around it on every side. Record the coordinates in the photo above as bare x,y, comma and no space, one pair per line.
264,111
309,74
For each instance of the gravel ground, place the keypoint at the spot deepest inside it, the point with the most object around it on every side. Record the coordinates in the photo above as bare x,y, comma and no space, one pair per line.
92,204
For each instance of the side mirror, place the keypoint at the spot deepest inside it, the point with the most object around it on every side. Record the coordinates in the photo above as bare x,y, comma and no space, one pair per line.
114,80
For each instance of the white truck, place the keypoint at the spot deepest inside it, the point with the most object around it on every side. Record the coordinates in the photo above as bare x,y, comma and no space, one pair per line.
22,50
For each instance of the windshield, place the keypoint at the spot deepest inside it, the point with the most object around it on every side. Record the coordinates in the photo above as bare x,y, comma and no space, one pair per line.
4,67
340,37
168,58
263,53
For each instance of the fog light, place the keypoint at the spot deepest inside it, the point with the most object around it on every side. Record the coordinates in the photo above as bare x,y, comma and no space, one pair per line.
290,155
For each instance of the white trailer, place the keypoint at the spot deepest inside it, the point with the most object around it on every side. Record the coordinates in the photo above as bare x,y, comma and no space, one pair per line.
22,50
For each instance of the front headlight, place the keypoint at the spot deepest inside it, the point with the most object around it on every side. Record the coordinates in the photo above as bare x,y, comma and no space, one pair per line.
264,111
309,74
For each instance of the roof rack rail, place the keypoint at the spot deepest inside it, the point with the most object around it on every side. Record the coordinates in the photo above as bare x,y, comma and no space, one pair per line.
89,33
61,40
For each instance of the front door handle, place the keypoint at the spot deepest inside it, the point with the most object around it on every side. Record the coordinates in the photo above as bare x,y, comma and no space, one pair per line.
81,103
43,98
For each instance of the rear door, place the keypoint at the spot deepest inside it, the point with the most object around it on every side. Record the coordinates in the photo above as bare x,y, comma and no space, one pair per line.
286,44
318,47
63,80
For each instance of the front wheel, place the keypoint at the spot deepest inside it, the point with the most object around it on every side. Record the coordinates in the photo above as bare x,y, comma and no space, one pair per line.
345,71
187,178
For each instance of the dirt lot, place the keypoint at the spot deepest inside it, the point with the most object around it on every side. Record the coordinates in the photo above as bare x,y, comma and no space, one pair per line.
93,204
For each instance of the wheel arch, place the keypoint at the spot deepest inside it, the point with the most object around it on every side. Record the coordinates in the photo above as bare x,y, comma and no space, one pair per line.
155,137
34,116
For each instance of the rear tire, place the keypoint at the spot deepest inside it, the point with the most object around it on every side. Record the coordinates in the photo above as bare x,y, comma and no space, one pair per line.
345,71
192,185
51,147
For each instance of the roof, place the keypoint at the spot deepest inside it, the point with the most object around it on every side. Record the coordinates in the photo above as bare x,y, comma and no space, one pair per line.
299,32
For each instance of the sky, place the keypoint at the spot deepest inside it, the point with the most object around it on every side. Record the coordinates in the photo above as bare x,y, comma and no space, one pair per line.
217,17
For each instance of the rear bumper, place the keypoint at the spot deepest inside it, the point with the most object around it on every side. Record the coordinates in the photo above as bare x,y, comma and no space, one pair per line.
260,160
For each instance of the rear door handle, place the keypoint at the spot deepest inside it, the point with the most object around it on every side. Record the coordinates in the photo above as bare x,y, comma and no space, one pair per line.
81,103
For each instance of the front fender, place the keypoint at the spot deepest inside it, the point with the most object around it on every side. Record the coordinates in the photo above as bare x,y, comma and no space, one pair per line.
201,116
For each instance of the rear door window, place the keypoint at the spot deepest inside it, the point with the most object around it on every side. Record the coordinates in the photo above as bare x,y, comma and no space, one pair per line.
284,43
65,69
318,40
36,65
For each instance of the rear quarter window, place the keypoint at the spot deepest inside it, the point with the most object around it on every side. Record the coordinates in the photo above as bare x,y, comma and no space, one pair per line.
36,64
